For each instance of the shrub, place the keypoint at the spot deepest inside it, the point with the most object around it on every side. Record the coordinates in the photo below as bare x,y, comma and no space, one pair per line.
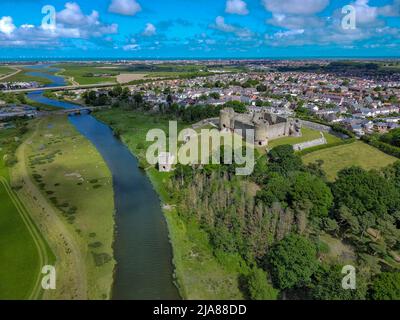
258,286
292,261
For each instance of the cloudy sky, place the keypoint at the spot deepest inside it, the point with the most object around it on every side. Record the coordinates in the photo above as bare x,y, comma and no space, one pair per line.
198,28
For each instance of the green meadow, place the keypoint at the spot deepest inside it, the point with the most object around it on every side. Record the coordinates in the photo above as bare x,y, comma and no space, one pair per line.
307,135
88,74
353,154
5,70
23,251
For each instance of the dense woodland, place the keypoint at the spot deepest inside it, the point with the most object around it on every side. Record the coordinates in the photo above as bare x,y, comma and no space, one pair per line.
272,222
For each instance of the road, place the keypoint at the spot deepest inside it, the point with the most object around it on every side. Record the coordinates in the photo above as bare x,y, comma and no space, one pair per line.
73,87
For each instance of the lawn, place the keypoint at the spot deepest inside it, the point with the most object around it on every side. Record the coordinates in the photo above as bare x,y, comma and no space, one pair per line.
307,135
354,154
199,274
19,258
74,188
22,250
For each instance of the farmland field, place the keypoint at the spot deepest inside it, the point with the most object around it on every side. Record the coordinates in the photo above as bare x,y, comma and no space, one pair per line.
88,74
5,70
23,251
354,154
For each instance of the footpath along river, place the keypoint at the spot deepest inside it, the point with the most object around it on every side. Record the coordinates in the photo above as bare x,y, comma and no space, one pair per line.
142,249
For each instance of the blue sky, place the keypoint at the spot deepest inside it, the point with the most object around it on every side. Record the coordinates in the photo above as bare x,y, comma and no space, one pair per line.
198,28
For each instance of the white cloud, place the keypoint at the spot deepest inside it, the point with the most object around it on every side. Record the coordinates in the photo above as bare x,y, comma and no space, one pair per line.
6,25
221,25
125,7
236,7
368,16
131,47
284,34
302,7
150,30
364,13
303,27
72,23
295,22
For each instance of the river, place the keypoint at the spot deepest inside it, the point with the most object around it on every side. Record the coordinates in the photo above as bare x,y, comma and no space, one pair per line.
141,248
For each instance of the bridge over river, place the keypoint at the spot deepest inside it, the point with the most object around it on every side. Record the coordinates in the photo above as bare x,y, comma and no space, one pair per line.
73,111
58,88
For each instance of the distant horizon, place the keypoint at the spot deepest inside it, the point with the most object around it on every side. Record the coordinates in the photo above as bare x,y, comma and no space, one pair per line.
207,29
43,59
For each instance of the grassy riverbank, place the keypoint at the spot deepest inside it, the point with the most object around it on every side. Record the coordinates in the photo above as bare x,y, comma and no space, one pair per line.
199,275
26,77
68,188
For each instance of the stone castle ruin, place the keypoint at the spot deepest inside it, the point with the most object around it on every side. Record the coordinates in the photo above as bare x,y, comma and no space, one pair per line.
266,126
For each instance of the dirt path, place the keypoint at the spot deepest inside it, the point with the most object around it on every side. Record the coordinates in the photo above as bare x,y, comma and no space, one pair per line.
11,74
70,264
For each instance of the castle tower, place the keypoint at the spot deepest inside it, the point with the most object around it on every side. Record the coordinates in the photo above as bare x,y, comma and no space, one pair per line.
294,128
227,119
261,133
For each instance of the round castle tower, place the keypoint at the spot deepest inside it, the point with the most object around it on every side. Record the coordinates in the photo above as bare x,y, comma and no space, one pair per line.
261,133
227,119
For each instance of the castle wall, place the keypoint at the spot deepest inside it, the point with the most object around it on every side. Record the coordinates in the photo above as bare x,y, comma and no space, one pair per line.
310,144
277,131
243,126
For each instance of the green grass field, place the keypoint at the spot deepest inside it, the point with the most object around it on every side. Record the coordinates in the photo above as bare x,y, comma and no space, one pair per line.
23,76
105,73
19,259
199,274
80,73
353,154
23,251
307,135
75,181
5,70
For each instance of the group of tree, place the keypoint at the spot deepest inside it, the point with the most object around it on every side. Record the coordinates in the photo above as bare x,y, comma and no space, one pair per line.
276,230
392,137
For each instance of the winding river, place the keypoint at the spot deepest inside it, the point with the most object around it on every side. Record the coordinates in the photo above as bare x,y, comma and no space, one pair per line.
142,249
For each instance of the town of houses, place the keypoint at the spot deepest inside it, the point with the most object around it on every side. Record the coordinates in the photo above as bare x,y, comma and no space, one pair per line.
361,105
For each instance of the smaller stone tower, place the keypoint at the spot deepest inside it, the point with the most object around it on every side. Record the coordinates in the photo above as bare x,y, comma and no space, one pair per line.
261,133
227,119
